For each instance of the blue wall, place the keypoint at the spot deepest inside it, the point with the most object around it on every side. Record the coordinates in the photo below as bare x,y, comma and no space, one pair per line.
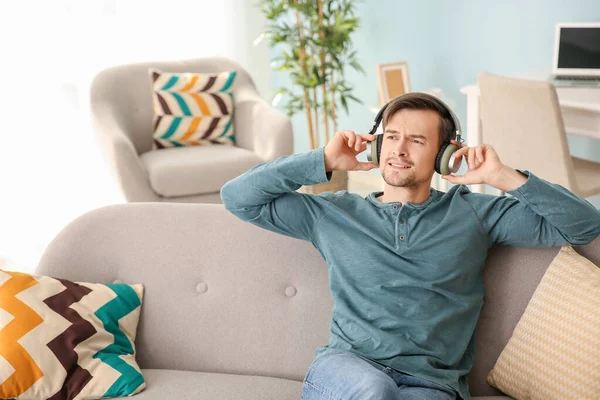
447,44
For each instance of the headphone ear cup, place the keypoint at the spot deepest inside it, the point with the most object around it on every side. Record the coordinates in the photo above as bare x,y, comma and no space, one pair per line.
374,149
442,159
378,146
372,153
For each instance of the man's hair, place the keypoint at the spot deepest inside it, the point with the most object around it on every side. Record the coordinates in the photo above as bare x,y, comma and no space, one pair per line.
419,101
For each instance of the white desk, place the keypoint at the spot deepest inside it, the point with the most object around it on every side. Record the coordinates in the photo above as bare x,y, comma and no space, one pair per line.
580,108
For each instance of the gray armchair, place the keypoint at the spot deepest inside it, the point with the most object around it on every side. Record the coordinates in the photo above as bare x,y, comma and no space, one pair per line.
122,111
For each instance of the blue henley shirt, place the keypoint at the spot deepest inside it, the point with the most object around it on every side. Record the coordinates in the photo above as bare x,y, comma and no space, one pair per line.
406,279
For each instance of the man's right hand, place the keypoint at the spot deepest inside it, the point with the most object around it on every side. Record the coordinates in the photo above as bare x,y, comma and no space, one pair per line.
342,149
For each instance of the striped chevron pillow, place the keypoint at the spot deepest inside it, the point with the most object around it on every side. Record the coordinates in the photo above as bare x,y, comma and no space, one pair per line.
66,340
192,109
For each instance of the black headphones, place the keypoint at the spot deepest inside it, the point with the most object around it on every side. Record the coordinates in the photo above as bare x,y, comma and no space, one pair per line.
445,162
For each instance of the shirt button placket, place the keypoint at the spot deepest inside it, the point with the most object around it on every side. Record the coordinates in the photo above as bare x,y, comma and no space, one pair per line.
401,226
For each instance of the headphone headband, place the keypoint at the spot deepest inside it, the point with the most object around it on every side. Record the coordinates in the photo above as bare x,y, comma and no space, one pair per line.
455,121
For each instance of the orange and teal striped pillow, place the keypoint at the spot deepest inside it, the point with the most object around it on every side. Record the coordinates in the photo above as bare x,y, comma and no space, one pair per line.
65,340
192,109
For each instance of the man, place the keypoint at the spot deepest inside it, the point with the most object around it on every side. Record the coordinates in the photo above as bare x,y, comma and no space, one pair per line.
405,265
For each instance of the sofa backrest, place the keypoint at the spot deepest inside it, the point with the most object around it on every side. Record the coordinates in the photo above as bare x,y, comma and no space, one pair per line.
511,275
222,295
127,91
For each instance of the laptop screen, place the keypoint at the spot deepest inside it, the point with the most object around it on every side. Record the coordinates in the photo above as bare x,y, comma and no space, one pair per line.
579,48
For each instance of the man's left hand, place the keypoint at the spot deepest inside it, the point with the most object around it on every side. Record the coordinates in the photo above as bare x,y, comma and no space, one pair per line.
483,163
484,167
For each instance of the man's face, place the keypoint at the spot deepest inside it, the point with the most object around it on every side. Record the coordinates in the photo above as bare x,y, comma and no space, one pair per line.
414,136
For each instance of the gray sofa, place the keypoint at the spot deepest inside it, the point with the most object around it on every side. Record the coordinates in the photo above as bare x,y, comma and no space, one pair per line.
235,312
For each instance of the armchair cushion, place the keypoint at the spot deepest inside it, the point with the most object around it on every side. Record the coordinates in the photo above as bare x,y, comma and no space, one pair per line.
185,171
62,339
554,352
192,109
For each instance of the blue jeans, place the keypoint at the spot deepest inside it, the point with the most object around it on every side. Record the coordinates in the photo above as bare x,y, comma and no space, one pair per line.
342,375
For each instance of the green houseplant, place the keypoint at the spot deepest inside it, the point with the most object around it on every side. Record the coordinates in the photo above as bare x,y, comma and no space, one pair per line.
314,46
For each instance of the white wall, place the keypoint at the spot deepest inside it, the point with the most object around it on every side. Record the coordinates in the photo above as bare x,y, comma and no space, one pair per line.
51,168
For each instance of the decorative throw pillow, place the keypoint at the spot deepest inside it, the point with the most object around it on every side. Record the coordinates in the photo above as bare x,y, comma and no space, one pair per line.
554,352
192,109
65,340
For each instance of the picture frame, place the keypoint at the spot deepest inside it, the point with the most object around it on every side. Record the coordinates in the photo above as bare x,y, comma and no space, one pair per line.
392,80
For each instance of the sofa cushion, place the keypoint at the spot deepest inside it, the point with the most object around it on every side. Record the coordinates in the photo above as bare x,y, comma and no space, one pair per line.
61,339
192,109
185,171
189,385
180,385
554,352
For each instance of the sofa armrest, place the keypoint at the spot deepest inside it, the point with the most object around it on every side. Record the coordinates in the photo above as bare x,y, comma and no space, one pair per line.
262,128
121,155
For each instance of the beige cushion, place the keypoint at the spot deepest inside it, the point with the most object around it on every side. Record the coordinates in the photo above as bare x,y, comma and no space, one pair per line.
184,171
554,352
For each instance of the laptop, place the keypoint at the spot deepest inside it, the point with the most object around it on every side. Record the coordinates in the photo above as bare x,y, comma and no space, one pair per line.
576,61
